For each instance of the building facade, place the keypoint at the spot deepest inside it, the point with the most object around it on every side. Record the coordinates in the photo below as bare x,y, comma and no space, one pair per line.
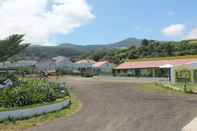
103,67
159,69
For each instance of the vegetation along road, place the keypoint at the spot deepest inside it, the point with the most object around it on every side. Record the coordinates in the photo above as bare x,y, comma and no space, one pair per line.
120,106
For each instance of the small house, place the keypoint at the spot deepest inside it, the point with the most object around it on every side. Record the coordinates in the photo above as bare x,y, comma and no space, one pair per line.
8,66
159,69
103,67
56,63
63,63
46,65
85,66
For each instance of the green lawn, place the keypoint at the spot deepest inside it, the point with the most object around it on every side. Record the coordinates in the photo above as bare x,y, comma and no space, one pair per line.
40,120
189,85
156,88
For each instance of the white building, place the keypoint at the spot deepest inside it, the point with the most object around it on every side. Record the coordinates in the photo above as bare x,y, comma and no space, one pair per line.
63,63
51,65
17,64
46,65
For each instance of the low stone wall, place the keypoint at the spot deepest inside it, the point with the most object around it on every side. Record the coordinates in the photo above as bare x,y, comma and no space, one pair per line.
27,113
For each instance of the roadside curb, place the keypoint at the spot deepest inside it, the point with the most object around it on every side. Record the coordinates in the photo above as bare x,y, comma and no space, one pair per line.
28,113
192,126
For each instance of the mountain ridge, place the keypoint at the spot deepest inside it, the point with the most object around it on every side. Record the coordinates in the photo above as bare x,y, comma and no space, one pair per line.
70,50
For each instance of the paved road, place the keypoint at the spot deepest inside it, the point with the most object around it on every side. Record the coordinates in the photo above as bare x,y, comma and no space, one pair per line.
118,106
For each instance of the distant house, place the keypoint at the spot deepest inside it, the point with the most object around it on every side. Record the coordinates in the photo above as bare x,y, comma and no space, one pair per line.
25,63
85,63
85,66
54,64
6,67
17,64
103,67
64,63
46,65
12,66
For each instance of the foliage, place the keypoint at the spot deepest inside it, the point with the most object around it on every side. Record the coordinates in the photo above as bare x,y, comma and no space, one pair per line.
60,71
11,76
180,87
71,50
183,75
30,92
11,46
148,49
24,70
116,53
47,52
20,125
158,88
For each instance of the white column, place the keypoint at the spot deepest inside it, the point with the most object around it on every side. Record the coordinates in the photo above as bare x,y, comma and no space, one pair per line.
172,75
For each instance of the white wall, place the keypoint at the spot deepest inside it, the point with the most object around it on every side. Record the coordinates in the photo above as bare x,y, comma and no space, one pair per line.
26,113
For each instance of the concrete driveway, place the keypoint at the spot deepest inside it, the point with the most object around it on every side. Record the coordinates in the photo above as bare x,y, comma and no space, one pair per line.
119,106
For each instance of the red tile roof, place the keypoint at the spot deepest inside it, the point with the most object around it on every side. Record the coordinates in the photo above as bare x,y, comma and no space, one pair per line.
154,64
100,64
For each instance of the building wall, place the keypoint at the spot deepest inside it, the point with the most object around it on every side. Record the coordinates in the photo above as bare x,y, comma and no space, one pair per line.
106,67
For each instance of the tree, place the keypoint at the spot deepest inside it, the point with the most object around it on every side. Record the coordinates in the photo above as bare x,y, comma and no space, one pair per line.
11,46
145,42
147,49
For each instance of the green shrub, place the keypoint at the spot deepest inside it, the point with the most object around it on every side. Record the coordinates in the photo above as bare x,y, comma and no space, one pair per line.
65,71
24,70
10,76
183,75
30,92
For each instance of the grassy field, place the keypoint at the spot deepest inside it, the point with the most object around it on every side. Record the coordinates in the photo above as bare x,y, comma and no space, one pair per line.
40,120
156,88
192,86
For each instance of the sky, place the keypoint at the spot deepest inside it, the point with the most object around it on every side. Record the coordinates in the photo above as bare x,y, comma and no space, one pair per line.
51,22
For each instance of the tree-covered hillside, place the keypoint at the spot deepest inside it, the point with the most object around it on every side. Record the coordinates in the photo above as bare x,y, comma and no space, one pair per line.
72,50
117,52
148,48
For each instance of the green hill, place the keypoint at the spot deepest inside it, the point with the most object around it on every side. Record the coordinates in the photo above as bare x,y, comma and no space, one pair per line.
117,52
71,50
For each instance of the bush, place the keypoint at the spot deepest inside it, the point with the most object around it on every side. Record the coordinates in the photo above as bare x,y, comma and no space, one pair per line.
24,71
10,76
183,75
31,92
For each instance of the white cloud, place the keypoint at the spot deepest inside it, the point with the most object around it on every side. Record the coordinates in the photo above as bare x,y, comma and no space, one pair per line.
39,21
192,34
174,30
